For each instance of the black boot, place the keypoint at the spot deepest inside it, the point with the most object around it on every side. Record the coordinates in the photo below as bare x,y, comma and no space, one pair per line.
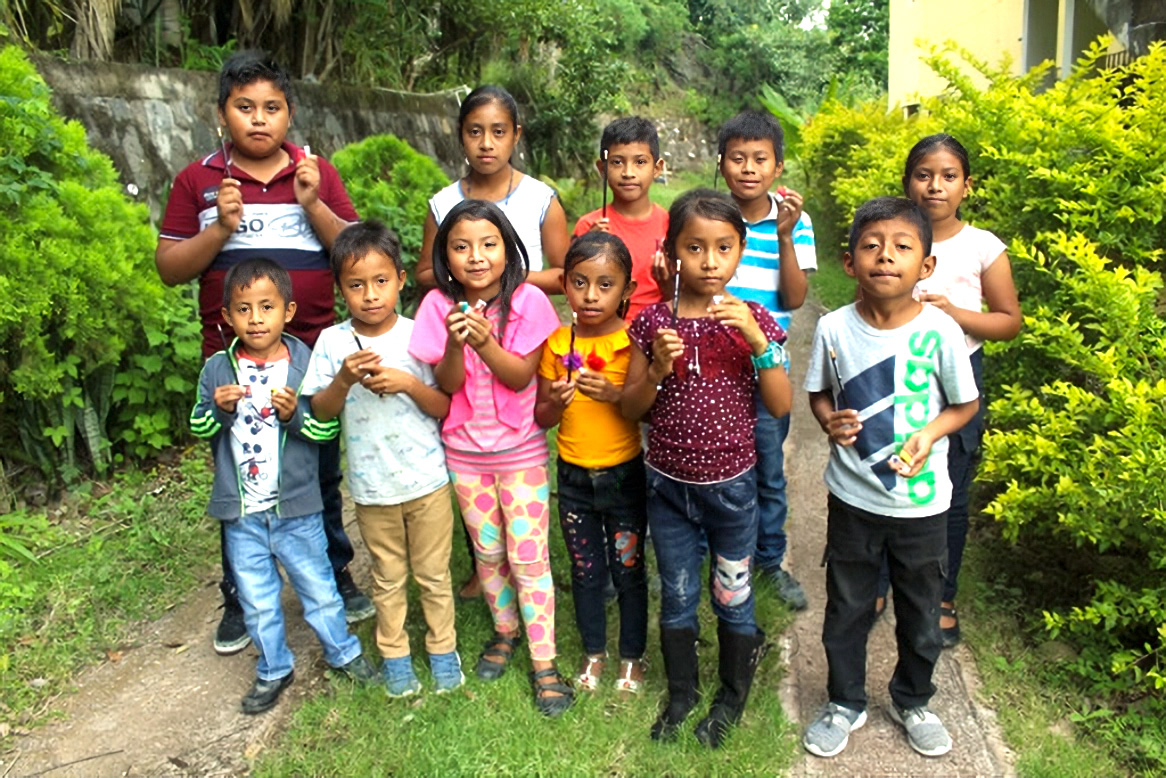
738,660
679,649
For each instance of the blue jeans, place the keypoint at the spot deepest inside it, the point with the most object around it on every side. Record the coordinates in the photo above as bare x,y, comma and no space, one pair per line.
340,551
684,520
254,543
771,502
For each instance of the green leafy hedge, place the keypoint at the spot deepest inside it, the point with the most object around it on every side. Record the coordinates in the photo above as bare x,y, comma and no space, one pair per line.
92,346
1074,177
390,181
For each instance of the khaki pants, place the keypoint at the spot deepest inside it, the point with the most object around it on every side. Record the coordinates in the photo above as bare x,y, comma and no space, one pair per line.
416,533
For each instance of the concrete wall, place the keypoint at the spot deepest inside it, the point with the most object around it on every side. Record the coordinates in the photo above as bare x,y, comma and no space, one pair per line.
987,28
154,121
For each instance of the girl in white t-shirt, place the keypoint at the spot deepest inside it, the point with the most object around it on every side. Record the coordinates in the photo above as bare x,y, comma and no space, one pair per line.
971,271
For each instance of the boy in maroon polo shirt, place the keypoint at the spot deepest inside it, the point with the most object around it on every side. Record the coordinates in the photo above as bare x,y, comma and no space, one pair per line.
272,199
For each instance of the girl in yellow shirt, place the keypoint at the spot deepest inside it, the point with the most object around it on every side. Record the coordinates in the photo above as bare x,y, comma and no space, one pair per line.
601,473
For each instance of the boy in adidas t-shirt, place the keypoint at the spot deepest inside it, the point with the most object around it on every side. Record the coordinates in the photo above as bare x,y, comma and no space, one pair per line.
889,379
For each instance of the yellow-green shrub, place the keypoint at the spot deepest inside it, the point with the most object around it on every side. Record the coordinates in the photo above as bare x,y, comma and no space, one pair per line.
92,346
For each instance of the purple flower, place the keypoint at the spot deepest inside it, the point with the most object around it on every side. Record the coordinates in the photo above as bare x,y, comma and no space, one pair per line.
573,360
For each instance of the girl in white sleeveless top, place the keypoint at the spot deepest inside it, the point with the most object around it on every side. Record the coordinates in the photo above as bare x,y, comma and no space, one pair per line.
489,130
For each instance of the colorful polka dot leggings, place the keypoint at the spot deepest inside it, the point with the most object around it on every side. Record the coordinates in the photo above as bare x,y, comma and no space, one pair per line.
508,518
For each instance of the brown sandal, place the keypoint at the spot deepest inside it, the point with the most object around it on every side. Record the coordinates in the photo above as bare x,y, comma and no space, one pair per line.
551,705
500,646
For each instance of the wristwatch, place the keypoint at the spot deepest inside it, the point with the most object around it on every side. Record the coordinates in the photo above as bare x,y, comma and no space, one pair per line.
773,356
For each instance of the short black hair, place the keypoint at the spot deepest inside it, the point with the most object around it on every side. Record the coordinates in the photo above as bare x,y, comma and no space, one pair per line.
882,209
752,125
356,241
706,204
247,272
247,67
630,129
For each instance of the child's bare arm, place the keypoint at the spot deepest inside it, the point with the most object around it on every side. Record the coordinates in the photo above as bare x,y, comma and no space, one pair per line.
949,420
842,427
553,399
329,401
384,380
776,392
325,223
179,261
1003,318
515,371
639,392
792,281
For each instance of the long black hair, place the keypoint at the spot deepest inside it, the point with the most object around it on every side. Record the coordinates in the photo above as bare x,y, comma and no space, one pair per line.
517,259
929,145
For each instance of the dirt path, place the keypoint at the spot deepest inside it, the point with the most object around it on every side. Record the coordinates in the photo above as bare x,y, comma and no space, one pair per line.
880,748
170,706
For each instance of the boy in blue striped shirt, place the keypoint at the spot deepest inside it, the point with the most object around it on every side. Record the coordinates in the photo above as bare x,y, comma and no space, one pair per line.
779,255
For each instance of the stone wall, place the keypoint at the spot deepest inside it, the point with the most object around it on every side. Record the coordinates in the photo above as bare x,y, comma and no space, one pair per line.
153,122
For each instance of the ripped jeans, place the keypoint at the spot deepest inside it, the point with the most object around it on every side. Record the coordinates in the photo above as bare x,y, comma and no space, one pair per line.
602,514
685,520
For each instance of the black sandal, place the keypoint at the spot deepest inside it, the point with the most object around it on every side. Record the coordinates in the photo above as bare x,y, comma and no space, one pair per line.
556,705
951,635
492,671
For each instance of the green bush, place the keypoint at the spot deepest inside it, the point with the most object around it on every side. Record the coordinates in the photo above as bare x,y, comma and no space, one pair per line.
1074,178
88,343
388,180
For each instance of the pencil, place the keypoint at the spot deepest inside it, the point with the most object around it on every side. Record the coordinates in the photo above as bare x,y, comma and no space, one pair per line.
603,183
840,401
571,348
223,146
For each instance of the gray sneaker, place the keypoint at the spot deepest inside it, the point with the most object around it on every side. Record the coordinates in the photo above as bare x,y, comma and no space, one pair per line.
788,589
925,732
831,732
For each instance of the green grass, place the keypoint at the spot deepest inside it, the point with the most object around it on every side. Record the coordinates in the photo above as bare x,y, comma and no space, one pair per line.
494,729
681,181
830,285
1035,698
107,559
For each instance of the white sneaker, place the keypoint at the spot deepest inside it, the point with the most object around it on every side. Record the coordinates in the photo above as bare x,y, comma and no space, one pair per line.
830,733
925,732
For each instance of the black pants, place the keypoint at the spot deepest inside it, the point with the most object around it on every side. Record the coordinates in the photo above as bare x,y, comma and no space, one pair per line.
603,514
916,550
340,551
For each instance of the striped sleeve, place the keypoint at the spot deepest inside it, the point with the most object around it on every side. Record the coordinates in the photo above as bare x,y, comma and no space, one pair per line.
205,419
804,247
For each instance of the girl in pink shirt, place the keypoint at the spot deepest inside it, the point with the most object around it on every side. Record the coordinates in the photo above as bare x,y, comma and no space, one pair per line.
483,330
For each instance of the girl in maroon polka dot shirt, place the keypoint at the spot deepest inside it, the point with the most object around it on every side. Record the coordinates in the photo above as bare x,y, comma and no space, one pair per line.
695,365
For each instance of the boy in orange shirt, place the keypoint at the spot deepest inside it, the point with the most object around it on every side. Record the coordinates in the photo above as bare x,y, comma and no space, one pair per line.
629,159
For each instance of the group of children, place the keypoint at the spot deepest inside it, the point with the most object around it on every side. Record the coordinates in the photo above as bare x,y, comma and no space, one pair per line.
677,336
